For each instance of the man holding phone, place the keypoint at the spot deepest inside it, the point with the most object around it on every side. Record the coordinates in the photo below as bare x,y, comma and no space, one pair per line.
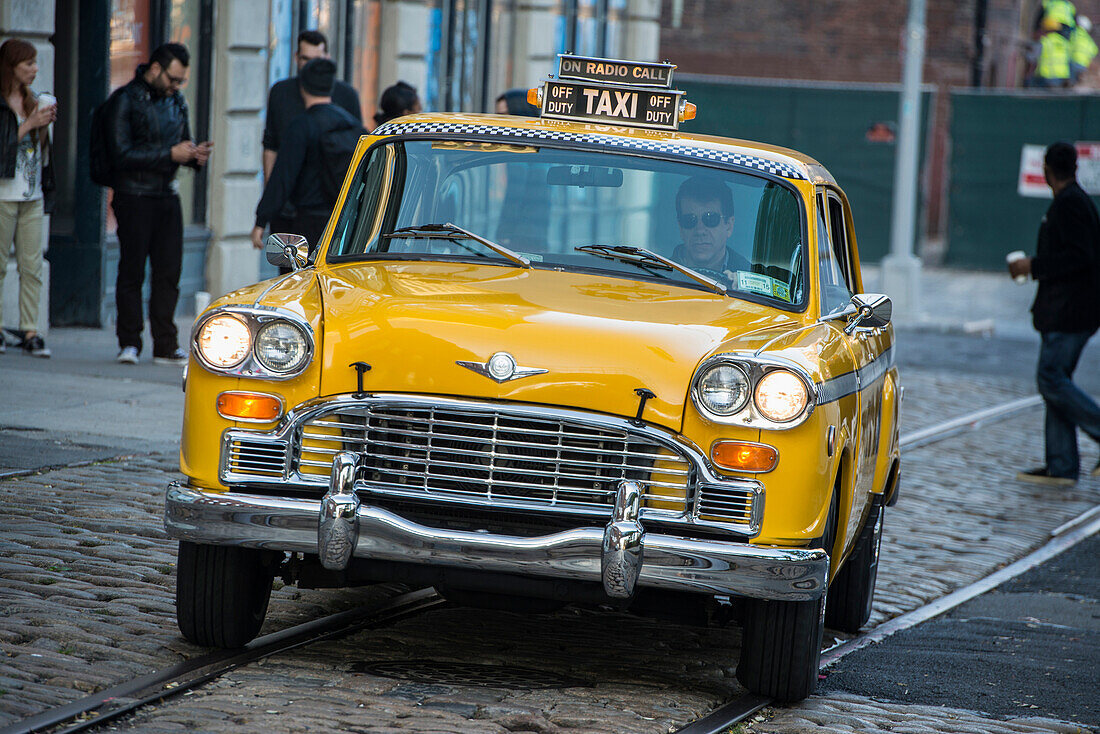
149,138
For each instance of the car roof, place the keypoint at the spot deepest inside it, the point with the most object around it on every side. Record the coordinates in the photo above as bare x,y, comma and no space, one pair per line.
758,156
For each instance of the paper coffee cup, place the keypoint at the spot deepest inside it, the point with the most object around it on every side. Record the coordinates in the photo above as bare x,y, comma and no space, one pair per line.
1013,257
46,100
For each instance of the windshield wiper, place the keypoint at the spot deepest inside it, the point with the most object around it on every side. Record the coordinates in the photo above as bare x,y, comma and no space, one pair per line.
645,258
454,232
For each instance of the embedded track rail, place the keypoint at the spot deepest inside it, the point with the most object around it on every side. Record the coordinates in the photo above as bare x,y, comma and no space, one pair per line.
112,703
741,708
109,704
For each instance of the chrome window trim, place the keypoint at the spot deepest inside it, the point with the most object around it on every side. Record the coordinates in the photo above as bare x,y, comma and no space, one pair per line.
754,366
288,432
254,317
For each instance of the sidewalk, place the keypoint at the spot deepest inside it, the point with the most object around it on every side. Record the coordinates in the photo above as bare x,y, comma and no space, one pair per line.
81,405
981,303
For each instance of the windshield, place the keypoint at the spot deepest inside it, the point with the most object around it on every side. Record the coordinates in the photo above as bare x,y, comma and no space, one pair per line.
568,209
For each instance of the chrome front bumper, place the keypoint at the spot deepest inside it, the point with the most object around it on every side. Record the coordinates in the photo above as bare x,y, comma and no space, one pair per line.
621,555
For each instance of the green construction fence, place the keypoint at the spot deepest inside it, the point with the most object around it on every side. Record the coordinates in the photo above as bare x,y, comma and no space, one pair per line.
987,217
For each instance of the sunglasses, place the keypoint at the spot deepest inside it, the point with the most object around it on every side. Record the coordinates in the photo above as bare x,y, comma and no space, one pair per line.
710,219
174,80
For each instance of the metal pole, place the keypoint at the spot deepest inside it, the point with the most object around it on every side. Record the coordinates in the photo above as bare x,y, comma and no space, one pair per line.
901,269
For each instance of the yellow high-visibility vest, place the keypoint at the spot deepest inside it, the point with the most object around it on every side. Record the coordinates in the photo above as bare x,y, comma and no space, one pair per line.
1060,11
1053,57
1082,47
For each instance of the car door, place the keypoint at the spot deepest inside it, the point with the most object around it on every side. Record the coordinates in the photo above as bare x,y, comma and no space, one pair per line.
838,270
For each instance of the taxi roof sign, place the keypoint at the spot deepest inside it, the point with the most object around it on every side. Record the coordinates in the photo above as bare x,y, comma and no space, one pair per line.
614,71
610,91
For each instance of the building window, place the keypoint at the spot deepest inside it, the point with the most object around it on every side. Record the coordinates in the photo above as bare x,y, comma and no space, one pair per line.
591,27
460,37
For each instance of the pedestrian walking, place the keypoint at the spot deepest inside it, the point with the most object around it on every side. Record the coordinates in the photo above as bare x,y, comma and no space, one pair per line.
397,100
148,138
314,155
1066,313
284,103
26,184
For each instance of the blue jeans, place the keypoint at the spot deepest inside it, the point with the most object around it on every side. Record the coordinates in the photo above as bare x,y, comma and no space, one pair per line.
1068,406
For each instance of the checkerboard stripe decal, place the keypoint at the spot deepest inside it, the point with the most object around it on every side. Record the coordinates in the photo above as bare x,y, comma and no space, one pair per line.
744,160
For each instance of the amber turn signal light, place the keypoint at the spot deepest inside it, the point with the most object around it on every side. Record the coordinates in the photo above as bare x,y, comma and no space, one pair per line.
687,112
249,406
743,456
534,97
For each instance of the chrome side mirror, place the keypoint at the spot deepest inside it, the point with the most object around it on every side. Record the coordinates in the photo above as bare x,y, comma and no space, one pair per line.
287,250
873,310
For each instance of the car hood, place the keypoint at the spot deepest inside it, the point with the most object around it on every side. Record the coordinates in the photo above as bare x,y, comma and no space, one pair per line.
598,338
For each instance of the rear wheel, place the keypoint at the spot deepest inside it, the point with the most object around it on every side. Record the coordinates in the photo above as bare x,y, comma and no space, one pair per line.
853,589
221,593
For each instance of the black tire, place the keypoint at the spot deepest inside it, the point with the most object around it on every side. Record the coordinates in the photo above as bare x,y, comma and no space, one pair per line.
221,593
781,640
848,606
781,648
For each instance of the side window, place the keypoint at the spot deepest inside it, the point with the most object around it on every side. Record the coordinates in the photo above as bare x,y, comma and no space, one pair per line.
839,237
835,294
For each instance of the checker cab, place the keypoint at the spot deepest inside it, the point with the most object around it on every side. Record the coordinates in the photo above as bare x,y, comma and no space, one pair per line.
584,358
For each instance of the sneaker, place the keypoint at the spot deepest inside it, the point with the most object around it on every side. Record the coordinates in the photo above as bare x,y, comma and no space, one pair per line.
178,357
127,355
1042,476
35,346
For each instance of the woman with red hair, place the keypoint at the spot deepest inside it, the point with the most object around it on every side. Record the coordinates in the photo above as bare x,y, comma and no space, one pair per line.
26,183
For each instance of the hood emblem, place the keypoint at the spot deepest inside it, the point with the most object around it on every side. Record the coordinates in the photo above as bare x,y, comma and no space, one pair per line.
501,367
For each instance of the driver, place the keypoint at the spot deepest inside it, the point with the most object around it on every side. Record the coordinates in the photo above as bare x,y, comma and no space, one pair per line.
704,212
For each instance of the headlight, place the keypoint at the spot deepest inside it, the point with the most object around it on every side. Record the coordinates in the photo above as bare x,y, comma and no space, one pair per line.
281,347
723,389
780,396
224,341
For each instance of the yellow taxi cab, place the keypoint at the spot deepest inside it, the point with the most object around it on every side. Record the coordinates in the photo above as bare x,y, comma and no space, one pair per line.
581,358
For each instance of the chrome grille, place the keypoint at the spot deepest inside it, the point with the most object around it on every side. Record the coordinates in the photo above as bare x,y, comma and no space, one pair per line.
493,454
260,457
730,504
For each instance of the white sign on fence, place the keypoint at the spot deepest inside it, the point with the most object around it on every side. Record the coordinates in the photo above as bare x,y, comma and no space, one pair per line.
1031,182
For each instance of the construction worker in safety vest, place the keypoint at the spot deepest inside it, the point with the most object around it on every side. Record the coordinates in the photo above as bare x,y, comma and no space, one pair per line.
1082,49
1058,15
1053,67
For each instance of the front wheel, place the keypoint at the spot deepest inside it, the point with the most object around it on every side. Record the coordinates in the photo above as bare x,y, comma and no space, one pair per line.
781,648
853,589
221,593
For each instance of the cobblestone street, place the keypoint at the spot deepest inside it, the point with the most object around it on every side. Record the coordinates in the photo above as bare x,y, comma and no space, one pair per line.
88,581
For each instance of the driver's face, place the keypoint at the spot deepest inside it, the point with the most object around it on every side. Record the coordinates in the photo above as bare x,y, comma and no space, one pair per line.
705,244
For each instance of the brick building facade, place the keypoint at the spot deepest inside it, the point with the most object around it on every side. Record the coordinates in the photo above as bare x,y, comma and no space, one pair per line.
862,42
848,40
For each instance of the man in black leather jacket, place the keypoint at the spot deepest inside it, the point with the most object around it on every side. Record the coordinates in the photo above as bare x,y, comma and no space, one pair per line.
149,138
1066,313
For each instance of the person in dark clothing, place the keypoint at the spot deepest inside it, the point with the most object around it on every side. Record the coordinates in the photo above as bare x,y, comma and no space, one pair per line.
514,102
1066,313
704,211
299,174
149,138
397,100
284,103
